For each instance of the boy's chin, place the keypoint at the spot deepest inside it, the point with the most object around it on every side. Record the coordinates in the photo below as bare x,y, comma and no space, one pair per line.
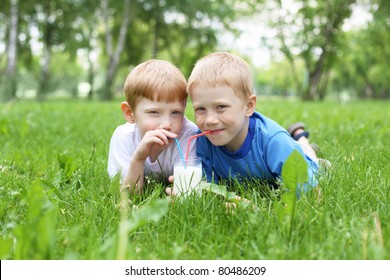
218,143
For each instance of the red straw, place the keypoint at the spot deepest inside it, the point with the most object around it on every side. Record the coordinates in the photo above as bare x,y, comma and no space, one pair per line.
192,137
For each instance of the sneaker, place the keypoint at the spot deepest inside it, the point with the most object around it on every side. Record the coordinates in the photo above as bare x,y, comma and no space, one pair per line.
300,125
294,127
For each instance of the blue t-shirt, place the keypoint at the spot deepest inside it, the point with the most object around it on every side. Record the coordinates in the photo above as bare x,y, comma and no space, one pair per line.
262,155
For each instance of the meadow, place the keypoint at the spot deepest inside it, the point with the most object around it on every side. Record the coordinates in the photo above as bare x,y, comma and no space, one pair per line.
57,201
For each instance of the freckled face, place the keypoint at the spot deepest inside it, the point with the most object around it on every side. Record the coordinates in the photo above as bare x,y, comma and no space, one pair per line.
220,110
151,115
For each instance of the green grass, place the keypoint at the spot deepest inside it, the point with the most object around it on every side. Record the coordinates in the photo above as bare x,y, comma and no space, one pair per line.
57,201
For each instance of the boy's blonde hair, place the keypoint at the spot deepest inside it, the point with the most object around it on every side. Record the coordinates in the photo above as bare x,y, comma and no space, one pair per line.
157,80
222,69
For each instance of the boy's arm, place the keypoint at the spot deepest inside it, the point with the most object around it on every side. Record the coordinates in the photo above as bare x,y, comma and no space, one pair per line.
134,180
151,145
279,148
119,154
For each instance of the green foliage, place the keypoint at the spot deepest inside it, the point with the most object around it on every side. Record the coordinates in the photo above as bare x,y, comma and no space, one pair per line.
36,238
365,54
153,212
277,80
63,43
294,175
221,190
7,88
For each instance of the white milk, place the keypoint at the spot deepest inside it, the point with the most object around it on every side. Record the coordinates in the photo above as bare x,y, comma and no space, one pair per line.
186,179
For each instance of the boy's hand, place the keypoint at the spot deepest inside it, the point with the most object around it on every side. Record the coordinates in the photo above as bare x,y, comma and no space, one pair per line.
153,143
169,190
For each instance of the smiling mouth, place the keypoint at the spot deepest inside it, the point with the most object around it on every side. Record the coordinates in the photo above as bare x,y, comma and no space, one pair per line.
214,132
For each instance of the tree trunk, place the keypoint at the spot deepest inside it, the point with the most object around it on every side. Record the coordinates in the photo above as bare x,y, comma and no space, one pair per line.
323,86
155,37
91,76
43,87
314,81
114,56
334,23
9,81
315,77
286,51
44,79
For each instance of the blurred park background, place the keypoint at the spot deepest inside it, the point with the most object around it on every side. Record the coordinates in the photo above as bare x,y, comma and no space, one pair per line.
301,49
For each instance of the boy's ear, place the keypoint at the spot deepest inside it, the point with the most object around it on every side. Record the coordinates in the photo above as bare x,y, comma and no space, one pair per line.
250,105
127,112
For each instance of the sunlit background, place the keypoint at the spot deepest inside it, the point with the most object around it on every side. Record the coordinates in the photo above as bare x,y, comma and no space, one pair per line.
300,49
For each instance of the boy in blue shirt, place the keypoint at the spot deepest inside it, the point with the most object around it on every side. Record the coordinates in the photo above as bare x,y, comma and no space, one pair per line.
243,144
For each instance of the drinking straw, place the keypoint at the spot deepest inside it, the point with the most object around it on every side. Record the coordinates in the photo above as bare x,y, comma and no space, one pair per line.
180,152
192,137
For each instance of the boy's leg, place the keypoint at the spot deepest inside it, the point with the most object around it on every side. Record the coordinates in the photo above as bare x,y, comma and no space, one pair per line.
297,131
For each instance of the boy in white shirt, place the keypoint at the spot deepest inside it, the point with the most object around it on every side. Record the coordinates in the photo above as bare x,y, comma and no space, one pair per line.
156,99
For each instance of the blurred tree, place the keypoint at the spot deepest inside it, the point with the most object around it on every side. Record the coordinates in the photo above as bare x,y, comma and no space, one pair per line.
378,32
195,25
310,30
113,55
9,78
86,35
51,23
119,33
179,31
365,55
277,80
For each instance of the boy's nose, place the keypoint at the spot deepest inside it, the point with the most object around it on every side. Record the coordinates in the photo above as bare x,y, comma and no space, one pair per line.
211,119
166,123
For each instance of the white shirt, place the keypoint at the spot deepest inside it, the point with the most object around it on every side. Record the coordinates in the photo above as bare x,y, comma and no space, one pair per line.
126,138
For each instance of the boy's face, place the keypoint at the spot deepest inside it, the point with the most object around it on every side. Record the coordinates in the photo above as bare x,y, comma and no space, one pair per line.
151,115
220,110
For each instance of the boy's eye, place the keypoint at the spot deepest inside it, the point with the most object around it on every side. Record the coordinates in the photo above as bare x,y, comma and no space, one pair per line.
220,107
177,113
153,112
200,110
